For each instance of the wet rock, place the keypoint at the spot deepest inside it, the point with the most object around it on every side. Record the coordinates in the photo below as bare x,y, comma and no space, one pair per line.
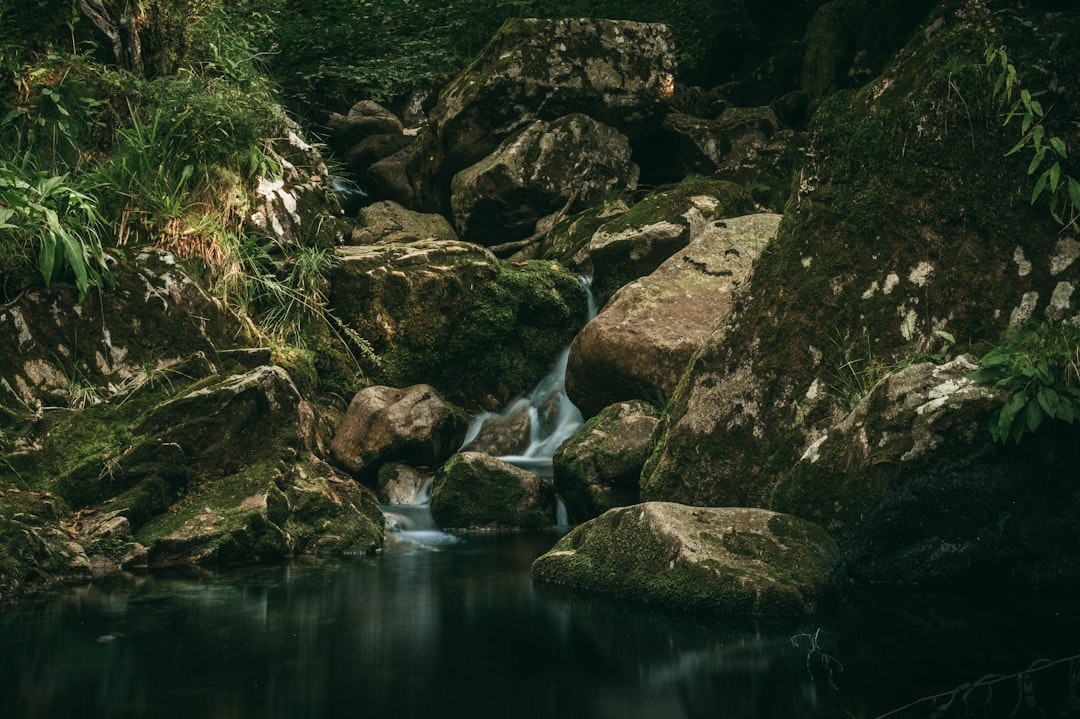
619,73
568,240
477,491
639,344
449,314
535,172
403,484
383,424
722,560
503,433
388,222
635,243
33,548
598,467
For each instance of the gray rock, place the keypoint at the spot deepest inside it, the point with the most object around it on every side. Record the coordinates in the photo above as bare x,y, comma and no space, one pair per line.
389,222
617,72
478,491
598,467
365,119
639,344
535,172
403,484
722,560
382,424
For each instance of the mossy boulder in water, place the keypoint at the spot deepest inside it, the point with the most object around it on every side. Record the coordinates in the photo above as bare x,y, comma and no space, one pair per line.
639,344
598,467
449,314
720,560
910,224
478,491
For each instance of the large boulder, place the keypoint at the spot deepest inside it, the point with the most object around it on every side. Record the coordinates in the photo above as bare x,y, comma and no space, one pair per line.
619,73
598,467
478,491
639,345
365,119
383,424
535,173
451,315
914,490
722,560
870,269
635,243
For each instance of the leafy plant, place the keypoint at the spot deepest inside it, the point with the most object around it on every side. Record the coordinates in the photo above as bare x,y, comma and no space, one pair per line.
1016,101
1039,367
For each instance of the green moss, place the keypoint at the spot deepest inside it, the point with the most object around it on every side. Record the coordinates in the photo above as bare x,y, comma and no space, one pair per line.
470,494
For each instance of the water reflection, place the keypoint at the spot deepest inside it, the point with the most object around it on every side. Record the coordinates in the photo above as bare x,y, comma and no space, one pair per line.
450,630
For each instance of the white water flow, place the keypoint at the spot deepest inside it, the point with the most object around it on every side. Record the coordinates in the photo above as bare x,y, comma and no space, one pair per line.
552,419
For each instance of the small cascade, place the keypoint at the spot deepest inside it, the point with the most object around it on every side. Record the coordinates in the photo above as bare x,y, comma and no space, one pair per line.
552,418
412,523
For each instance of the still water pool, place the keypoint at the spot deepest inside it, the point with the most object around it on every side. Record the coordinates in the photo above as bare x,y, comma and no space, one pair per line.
457,629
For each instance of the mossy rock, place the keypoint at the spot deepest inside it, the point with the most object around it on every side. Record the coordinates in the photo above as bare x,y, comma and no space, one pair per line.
477,491
718,560
33,548
568,241
450,315
636,242
870,266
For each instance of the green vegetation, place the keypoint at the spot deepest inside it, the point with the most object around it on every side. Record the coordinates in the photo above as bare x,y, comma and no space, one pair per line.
1015,101
1039,366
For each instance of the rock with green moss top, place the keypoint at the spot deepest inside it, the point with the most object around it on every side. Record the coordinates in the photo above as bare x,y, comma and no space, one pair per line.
914,490
389,222
384,424
33,547
568,240
638,346
450,315
718,560
870,268
535,172
478,491
598,467
619,73
635,243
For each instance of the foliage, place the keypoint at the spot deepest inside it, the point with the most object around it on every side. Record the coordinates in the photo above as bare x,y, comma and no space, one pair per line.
1039,367
1016,101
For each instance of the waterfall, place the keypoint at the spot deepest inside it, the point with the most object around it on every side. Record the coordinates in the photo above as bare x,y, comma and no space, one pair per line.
552,419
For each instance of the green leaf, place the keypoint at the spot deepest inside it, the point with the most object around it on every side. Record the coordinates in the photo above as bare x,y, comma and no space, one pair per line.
1050,401
1007,414
947,336
1033,415
1037,137
1040,185
1059,146
1055,176
985,375
1026,124
1036,161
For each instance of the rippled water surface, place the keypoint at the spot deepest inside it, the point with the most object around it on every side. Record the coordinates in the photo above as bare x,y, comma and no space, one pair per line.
456,629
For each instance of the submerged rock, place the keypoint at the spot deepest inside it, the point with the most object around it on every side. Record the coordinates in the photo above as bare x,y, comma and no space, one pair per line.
638,346
478,491
722,560
383,424
598,467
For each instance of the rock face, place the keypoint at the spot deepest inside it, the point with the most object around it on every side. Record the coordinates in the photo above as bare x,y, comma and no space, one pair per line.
866,273
477,491
912,488
619,73
639,345
534,173
635,243
451,315
383,424
598,467
722,560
